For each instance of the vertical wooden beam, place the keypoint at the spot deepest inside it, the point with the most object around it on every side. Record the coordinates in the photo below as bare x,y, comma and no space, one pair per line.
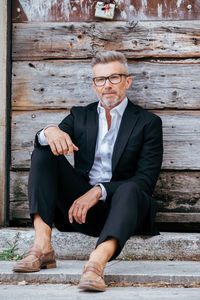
3,108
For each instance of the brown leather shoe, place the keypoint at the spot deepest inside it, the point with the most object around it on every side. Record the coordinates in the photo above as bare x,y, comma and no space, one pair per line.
35,260
92,278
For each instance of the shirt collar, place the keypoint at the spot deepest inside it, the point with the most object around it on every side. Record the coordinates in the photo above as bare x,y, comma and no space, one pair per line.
120,108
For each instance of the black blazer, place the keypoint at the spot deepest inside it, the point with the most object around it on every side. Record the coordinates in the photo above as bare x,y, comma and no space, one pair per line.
137,153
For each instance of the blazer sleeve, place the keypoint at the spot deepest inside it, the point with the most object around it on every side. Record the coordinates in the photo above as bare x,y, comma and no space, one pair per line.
149,162
67,125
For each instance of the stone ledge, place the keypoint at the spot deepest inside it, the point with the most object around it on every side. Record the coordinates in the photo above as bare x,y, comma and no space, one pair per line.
68,291
138,272
68,245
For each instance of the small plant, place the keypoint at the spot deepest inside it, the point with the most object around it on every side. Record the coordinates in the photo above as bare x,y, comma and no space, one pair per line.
126,258
10,253
125,254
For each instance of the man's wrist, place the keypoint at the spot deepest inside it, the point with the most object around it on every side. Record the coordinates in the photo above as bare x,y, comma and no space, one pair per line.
103,192
50,125
99,191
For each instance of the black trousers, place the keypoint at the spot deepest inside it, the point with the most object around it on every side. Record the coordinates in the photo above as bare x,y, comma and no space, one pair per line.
54,185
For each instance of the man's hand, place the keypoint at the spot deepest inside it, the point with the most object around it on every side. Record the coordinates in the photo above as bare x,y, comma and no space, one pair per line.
59,141
80,207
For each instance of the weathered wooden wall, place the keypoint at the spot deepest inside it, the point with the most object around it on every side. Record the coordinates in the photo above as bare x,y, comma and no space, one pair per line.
83,10
3,109
52,50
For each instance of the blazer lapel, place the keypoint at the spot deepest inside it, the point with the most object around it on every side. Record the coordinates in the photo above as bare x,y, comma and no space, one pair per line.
92,130
128,122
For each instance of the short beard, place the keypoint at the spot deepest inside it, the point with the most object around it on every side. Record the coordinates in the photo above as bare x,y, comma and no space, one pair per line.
110,104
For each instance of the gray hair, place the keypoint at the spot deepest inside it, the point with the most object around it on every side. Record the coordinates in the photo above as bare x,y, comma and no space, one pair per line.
110,56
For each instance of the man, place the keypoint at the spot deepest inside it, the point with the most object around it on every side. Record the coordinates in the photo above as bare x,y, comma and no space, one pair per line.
117,149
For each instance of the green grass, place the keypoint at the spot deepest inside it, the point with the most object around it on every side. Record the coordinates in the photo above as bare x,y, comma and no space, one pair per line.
10,253
126,258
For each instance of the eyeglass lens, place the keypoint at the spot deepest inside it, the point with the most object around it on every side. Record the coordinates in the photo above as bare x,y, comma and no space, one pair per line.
115,78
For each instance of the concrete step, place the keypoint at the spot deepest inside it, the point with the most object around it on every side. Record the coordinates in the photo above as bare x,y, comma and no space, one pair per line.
67,245
66,291
123,272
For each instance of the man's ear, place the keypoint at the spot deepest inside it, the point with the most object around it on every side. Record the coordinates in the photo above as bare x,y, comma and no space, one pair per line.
128,82
94,86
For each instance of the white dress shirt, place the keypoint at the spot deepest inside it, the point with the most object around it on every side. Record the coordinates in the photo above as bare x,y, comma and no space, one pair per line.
101,170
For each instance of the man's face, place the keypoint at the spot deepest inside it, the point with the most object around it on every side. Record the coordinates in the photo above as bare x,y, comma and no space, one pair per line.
111,94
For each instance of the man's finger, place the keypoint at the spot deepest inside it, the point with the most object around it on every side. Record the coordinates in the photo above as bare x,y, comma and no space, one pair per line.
84,213
70,213
70,148
59,147
53,148
79,214
76,214
75,147
64,147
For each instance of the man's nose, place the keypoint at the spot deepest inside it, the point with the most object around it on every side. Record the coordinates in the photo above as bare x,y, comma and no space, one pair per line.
107,83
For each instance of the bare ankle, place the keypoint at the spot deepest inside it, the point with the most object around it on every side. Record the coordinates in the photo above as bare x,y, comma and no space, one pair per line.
101,259
104,251
44,246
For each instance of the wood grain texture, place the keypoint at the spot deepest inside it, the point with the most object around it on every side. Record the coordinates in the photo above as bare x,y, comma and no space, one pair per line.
177,194
178,191
181,131
50,75
178,218
181,137
84,10
63,84
35,41
19,207
30,122
3,110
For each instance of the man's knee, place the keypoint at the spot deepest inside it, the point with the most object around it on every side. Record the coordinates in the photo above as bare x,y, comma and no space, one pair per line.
126,192
41,155
128,187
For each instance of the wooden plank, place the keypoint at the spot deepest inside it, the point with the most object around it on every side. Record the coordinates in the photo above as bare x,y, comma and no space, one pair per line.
178,218
178,191
181,137
186,209
19,207
181,140
3,111
34,41
21,213
31,122
84,10
60,84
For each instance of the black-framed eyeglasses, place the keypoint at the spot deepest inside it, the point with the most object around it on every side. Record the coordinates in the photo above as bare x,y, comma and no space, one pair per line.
113,78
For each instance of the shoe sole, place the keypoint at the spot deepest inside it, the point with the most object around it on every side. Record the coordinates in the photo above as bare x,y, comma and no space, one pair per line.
45,266
49,265
90,286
